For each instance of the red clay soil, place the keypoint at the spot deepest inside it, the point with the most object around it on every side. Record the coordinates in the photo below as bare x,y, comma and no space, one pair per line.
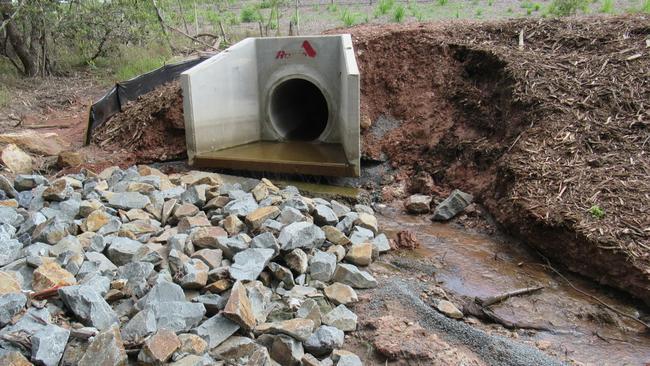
539,132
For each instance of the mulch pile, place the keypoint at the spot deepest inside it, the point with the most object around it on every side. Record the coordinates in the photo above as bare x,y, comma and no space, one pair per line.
541,119
152,127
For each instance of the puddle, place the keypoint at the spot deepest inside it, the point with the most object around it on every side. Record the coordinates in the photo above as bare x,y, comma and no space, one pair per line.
475,265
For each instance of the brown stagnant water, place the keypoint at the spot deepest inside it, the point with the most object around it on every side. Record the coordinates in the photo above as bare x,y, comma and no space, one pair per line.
477,265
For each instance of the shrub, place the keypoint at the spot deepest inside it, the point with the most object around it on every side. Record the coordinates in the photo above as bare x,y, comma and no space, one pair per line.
249,14
265,4
563,8
399,14
597,212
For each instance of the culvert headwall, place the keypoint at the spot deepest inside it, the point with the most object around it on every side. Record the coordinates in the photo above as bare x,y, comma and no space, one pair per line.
284,104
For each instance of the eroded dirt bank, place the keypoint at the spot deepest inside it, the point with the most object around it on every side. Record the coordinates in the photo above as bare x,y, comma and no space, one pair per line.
540,131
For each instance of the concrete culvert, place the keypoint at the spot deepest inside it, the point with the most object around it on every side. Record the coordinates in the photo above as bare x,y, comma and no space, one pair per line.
298,110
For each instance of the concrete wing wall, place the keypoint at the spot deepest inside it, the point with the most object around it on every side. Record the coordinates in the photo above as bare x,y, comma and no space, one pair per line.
221,101
349,118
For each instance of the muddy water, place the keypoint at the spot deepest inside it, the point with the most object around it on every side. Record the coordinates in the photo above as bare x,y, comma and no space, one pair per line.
475,265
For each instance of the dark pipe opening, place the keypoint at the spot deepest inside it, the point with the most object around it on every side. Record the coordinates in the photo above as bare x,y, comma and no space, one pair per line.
298,110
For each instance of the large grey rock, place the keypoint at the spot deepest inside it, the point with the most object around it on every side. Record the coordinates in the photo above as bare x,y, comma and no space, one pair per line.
322,266
136,274
361,235
213,303
128,200
7,187
241,206
9,251
381,244
59,190
260,299
452,205
310,310
161,292
346,358
194,274
105,349
324,340
286,350
290,215
9,216
122,250
140,326
216,330
418,204
48,345
350,275
324,215
24,182
347,222
250,263
342,318
298,328
89,306
232,246
177,316
297,260
339,208
301,235
96,262
241,351
266,241
10,305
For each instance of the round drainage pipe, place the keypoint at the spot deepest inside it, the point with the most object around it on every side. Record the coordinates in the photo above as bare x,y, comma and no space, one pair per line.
298,110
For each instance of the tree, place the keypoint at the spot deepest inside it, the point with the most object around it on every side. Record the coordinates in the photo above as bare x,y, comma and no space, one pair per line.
22,45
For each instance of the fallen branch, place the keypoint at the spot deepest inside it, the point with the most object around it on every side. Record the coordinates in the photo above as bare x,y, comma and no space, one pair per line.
548,265
190,37
47,293
506,295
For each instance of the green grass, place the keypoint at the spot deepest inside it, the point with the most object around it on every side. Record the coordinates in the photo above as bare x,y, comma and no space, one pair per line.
348,18
384,6
442,2
399,14
607,7
479,12
646,7
133,61
266,4
563,8
332,8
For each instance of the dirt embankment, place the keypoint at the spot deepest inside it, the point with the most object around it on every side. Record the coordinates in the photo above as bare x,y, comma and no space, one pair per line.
541,131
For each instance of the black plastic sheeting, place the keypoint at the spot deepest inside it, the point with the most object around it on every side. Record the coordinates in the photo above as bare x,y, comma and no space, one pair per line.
125,91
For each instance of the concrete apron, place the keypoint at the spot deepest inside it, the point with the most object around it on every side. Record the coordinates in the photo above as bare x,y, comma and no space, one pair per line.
285,104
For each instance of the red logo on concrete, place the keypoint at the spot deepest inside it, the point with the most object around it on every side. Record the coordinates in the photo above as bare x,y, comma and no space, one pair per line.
309,50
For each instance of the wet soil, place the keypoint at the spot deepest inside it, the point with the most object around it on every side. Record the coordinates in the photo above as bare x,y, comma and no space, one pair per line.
459,264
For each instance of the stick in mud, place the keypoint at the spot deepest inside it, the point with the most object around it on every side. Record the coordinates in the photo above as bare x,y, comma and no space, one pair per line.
491,300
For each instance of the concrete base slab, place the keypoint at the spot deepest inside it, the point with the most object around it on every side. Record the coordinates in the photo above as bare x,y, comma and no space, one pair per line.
294,157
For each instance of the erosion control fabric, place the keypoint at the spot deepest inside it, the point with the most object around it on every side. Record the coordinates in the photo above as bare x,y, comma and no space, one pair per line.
125,91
